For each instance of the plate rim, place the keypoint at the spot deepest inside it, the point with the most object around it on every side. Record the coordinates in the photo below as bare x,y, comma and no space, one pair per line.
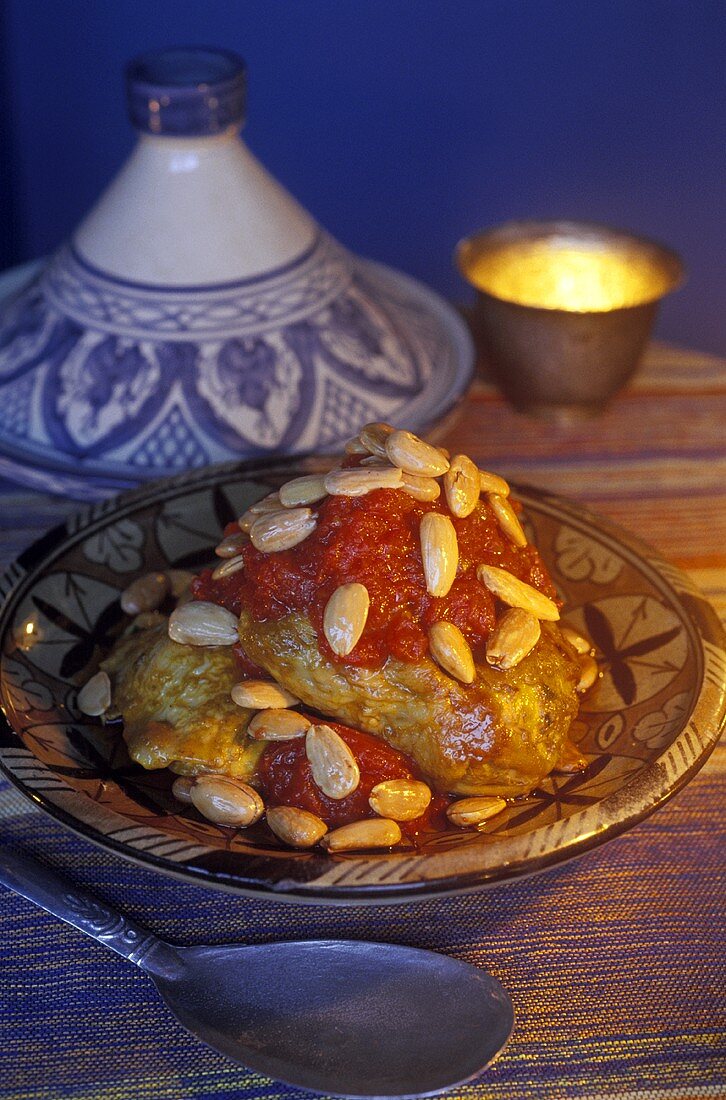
33,561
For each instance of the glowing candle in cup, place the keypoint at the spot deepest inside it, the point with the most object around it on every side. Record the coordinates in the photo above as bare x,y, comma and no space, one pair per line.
564,309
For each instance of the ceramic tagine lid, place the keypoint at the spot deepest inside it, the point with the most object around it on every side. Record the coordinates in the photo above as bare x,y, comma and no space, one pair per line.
199,314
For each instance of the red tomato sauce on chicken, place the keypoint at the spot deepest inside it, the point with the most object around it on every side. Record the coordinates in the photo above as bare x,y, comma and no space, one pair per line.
286,779
374,540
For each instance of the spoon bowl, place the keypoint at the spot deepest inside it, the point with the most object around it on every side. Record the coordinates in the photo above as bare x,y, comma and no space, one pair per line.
347,1017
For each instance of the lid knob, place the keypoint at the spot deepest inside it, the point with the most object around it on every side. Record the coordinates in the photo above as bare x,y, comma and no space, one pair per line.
187,91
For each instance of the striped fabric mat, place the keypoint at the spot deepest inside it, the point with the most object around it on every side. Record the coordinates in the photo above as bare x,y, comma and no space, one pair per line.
616,963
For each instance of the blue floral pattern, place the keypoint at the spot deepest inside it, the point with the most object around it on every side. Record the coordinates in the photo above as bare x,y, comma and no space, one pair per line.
148,380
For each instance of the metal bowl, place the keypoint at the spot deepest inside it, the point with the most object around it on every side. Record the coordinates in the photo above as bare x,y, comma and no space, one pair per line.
564,309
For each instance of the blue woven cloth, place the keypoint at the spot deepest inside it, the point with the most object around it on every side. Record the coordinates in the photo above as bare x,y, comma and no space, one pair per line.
616,963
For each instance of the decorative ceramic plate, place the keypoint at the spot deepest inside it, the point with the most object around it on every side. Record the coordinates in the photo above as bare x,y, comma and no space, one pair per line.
645,729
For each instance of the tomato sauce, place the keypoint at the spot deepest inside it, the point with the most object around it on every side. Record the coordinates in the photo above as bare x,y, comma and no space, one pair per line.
374,539
286,779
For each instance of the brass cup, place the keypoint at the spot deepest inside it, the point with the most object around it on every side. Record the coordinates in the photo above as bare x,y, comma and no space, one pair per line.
564,310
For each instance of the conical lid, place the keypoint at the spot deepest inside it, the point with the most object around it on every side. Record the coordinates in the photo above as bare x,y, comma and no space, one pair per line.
199,314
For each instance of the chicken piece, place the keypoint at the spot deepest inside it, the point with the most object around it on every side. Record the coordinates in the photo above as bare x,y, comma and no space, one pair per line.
176,705
500,735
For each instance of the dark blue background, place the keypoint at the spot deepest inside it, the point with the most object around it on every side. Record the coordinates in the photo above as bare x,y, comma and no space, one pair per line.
404,124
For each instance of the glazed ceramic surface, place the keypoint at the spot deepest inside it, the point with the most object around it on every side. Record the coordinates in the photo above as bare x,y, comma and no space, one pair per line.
645,729
199,314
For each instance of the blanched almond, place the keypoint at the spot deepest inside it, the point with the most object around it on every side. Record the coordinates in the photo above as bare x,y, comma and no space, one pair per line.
421,488
589,672
515,635
145,593
298,828
226,801
414,456
262,695
276,531
439,553
474,811
400,799
203,623
334,768
231,545
517,593
94,698
492,483
181,788
228,567
270,503
303,490
450,650
361,480
507,519
461,485
278,724
355,447
580,644
379,832
373,437
345,616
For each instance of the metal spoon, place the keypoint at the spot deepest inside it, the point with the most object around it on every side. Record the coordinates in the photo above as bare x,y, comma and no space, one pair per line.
344,1017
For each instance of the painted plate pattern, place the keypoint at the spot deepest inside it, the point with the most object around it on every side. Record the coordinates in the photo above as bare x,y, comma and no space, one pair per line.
645,729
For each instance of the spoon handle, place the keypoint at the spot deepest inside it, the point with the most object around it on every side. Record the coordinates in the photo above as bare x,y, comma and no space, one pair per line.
78,907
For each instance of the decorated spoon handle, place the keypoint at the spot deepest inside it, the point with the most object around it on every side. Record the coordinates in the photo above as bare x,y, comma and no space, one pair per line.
78,907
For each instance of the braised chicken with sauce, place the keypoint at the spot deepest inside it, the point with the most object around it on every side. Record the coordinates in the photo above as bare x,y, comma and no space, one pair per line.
397,594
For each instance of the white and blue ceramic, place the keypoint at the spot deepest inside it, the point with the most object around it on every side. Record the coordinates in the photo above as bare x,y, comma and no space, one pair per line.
199,314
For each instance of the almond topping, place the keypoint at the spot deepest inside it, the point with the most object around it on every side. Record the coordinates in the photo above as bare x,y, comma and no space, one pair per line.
474,811
400,799
361,480
203,623
507,519
181,788
298,828
355,447
270,503
514,636
414,456
278,724
450,650
359,835
580,644
226,801
439,553
461,485
278,531
345,616
145,593
228,567
303,490
421,488
492,483
94,698
262,695
231,545
373,437
517,593
589,672
334,768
